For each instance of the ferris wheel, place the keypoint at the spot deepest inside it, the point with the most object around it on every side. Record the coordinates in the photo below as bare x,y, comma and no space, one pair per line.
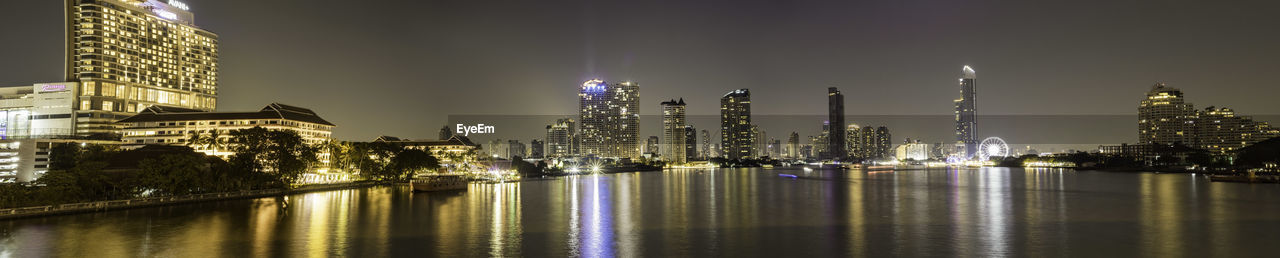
992,147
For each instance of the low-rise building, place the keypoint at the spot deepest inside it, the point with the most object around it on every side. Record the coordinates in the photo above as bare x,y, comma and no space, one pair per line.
178,126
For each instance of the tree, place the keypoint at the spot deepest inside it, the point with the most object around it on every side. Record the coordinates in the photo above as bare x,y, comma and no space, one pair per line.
408,162
176,174
280,153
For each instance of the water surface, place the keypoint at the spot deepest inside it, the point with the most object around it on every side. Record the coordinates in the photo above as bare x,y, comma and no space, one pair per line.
723,212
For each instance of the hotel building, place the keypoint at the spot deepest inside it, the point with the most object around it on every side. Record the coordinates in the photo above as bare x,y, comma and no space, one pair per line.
176,126
127,55
561,139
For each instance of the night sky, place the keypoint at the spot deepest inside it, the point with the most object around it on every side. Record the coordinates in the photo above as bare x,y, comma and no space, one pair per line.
401,67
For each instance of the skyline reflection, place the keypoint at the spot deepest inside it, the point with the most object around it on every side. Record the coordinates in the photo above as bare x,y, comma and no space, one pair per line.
701,212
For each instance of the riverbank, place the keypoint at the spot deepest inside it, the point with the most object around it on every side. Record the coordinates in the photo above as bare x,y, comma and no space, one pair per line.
101,206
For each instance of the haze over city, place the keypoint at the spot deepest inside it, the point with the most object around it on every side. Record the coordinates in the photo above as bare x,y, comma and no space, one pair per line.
400,68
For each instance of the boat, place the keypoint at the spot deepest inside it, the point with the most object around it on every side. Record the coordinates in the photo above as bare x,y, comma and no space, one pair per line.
430,183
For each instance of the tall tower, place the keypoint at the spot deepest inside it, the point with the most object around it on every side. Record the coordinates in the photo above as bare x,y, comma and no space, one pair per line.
560,138
610,119
793,146
673,132
131,54
690,143
1164,117
836,148
706,144
628,135
735,124
966,108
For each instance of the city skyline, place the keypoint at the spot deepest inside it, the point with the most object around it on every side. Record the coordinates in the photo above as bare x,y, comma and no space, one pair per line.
262,69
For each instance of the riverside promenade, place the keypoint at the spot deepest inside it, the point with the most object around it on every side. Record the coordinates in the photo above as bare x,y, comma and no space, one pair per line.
100,206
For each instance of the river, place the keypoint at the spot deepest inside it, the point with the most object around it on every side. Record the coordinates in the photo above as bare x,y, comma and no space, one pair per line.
723,212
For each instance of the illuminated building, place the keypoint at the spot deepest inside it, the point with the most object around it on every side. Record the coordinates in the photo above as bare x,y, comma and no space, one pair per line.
760,143
966,110
651,147
706,145
793,146
836,142
853,138
874,143
516,149
561,139
39,111
128,55
690,143
673,131
450,152
536,148
912,151
735,124
1164,117
176,126
1221,130
610,119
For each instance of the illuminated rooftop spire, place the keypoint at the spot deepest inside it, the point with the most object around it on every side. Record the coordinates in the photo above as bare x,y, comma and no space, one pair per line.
969,73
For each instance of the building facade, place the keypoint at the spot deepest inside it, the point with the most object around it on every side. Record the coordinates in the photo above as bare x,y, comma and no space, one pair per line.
127,55
691,143
561,139
44,110
966,113
1166,118
610,119
536,149
673,132
836,144
735,125
177,126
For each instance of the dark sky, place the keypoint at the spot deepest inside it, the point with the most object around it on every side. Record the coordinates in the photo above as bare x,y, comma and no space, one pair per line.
401,67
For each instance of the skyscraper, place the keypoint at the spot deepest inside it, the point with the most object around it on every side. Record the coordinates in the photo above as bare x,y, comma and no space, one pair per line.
131,54
673,132
1164,117
735,124
836,148
793,146
966,109
560,138
610,119
651,146
706,145
691,143
536,148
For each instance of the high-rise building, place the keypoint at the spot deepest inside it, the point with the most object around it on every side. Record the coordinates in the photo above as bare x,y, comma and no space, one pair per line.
760,141
853,138
673,131
690,143
883,143
561,139
966,110
536,149
516,149
874,143
735,124
836,145
706,145
610,119
1164,117
651,146
793,146
128,55
1220,130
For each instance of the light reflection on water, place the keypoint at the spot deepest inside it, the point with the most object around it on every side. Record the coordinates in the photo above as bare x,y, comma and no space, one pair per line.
702,212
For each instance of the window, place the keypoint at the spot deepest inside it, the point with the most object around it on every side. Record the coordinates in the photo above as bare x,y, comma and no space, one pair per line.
108,106
86,105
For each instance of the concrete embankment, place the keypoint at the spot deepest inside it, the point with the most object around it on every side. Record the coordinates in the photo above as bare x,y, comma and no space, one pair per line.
85,207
